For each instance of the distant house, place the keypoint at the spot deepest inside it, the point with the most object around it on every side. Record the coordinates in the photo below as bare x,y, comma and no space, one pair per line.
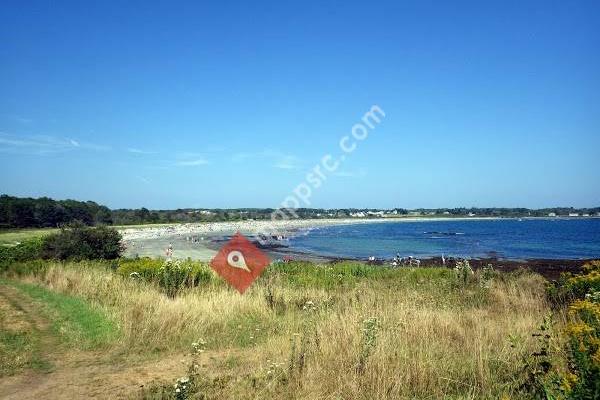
471,214
585,215
446,212
573,214
552,214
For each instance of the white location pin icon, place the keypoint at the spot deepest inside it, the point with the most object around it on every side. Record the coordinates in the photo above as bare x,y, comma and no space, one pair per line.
236,259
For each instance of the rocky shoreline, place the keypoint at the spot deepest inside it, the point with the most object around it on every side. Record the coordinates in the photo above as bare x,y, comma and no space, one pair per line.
211,236
549,268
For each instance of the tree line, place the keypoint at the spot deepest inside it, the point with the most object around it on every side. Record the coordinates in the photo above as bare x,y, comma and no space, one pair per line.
17,212
44,212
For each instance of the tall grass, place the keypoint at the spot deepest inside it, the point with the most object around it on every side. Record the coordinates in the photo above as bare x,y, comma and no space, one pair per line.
430,335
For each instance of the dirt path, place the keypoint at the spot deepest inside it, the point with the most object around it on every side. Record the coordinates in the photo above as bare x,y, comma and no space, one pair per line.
75,374
23,317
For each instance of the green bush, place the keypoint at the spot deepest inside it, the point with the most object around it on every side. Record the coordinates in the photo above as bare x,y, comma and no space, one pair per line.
579,377
25,251
569,287
171,276
144,267
78,242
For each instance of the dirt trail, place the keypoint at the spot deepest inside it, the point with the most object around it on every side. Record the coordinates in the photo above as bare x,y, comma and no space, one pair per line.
23,314
76,374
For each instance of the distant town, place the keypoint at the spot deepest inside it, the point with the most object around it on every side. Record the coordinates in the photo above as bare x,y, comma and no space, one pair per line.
400,212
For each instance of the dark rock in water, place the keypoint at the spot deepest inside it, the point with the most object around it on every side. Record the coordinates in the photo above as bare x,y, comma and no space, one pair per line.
269,244
221,239
272,241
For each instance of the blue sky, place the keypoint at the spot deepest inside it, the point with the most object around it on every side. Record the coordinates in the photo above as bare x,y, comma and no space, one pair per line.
230,104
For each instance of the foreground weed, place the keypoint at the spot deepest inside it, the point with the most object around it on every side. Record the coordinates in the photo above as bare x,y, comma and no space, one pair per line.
463,272
189,385
368,342
486,277
185,387
305,342
538,364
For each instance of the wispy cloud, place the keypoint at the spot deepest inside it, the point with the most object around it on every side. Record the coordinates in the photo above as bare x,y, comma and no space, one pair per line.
277,159
43,144
192,163
139,151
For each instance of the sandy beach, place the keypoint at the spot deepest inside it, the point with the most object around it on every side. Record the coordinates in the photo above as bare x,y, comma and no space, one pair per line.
253,227
200,241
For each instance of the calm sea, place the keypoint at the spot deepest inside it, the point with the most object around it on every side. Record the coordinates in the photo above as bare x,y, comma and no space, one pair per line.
556,238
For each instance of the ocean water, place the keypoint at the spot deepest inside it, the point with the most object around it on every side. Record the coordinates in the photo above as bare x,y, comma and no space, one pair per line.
557,238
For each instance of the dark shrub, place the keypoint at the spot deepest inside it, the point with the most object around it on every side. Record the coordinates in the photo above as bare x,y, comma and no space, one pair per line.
79,242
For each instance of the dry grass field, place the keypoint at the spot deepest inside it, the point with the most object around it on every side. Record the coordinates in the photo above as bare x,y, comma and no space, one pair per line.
301,331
